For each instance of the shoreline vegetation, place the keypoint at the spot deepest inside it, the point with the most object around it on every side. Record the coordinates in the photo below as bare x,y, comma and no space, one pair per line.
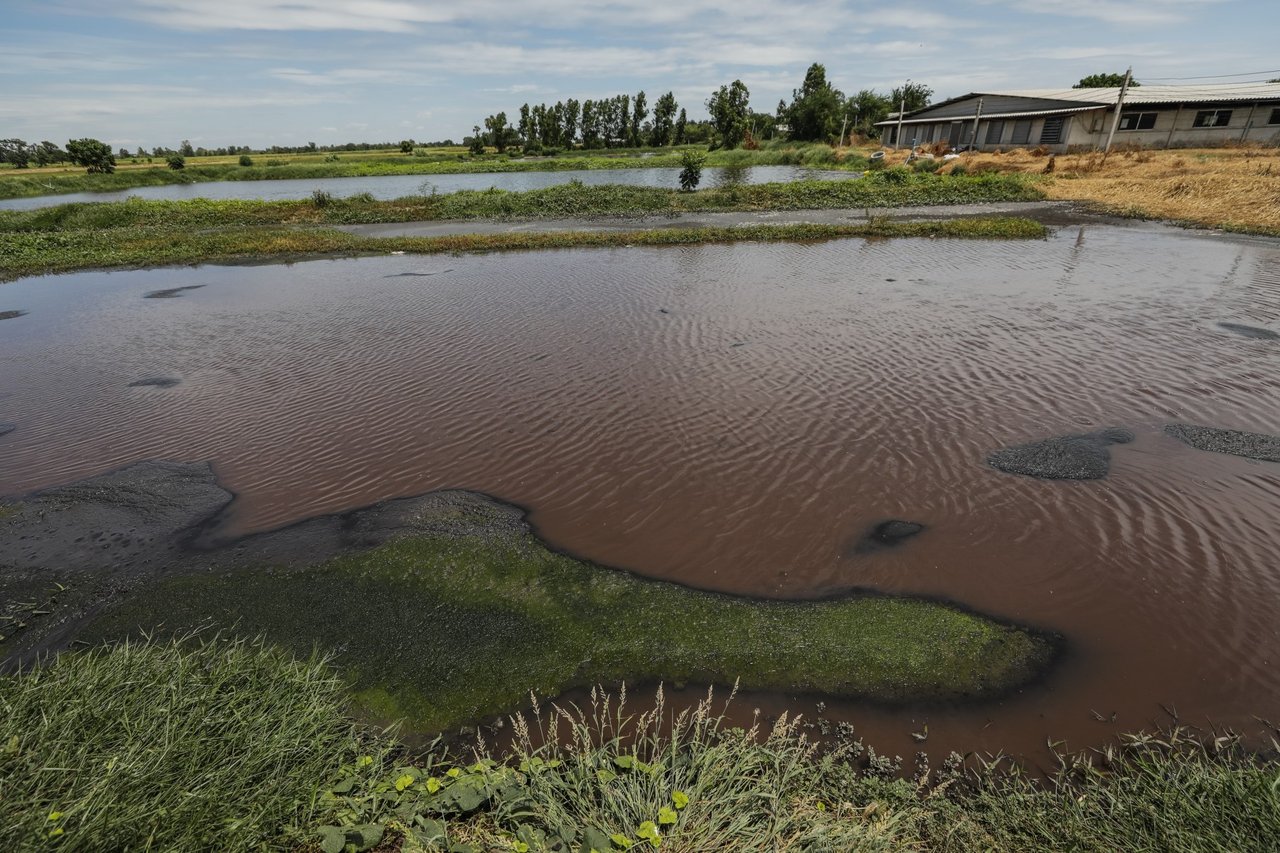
140,233
216,743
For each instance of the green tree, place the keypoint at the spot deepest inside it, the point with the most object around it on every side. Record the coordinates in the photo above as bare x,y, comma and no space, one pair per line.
1103,81
46,153
186,150
93,154
817,110
678,131
639,111
15,151
916,96
406,146
729,108
572,109
590,124
177,162
866,108
664,113
477,141
499,131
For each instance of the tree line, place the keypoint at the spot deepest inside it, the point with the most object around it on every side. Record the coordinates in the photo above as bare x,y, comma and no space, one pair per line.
817,112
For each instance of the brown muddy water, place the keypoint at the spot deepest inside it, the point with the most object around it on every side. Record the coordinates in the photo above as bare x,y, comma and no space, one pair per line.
736,418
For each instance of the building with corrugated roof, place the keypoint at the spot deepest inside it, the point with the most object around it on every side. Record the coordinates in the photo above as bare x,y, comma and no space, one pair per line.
1079,119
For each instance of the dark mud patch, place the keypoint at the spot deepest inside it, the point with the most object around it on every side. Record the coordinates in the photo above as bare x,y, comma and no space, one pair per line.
887,534
1251,331
156,382
171,292
1251,445
417,274
9,315
446,608
1067,457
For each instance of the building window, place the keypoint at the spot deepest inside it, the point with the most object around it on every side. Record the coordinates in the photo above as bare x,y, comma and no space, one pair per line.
1051,134
1021,132
1212,118
1275,116
1137,121
995,130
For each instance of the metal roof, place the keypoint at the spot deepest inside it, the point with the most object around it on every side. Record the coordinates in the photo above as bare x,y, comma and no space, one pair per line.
1080,109
1106,97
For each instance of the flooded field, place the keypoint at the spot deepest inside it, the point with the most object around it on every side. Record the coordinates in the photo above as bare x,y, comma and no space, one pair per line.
738,418
398,186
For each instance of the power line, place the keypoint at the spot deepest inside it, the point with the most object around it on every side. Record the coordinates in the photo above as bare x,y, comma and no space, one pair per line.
1215,76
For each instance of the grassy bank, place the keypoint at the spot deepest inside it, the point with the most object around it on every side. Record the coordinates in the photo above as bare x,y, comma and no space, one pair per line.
31,183
42,253
235,746
144,233
444,630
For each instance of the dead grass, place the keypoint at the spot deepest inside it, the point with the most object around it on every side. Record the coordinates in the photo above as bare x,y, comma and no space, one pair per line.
1237,189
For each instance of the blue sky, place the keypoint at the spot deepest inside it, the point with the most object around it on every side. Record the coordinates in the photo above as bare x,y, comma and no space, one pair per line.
257,72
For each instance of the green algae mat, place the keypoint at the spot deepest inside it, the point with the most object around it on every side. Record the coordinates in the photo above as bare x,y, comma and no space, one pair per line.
446,609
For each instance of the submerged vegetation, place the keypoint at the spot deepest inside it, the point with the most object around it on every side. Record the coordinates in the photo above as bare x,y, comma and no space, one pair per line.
443,630
228,745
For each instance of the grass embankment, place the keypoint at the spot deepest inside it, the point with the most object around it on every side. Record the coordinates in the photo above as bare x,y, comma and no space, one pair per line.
444,631
235,747
146,233
28,183
1233,189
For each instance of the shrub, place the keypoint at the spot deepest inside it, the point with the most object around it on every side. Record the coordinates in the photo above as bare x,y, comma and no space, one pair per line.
959,170
320,198
276,162
246,160
177,162
691,163
929,166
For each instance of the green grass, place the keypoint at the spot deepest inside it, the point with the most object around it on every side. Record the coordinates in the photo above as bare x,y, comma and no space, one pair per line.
219,746
43,253
21,184
445,630
231,745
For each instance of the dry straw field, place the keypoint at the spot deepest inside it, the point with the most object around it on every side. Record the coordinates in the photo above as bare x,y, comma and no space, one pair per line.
1236,188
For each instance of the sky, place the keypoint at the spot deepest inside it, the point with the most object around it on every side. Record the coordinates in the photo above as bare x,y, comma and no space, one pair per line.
261,72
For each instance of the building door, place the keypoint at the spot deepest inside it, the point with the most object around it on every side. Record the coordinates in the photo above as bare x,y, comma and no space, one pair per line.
957,128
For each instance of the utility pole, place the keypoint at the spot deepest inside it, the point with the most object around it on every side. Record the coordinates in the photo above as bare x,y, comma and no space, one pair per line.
902,108
1115,122
977,116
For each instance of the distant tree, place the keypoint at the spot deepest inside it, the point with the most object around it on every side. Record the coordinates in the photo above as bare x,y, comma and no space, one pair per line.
916,96
406,146
664,114
477,141
93,154
246,160
817,110
729,108
639,111
499,131
590,124
46,153
15,151
868,107
678,131
572,109
186,150
1103,81
177,162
